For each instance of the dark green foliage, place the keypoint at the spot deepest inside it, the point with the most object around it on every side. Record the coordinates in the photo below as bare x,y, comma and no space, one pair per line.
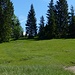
72,24
6,12
51,26
1,21
31,28
62,18
17,30
41,29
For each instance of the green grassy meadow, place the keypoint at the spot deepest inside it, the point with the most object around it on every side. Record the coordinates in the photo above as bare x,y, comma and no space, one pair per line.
37,57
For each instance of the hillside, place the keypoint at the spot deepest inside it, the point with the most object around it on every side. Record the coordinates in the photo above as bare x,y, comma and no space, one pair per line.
32,57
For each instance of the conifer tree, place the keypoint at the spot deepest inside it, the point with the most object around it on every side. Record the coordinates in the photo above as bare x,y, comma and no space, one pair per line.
6,10
41,28
72,23
1,21
31,28
62,18
51,26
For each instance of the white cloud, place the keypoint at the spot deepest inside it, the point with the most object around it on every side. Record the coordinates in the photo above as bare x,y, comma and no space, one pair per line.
22,19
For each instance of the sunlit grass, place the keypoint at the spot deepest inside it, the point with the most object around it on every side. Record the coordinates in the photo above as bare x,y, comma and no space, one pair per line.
33,70
42,57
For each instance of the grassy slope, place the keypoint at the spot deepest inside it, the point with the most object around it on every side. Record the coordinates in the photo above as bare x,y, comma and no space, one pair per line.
29,57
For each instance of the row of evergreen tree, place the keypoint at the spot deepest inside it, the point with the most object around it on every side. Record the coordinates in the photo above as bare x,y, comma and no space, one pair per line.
9,23
60,22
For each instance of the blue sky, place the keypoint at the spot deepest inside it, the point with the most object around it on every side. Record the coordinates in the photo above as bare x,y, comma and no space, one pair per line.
22,7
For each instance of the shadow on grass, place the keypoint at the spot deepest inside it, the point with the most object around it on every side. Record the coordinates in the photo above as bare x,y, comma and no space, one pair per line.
30,39
37,39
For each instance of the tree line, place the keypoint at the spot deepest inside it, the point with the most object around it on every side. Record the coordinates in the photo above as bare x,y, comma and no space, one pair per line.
9,23
60,22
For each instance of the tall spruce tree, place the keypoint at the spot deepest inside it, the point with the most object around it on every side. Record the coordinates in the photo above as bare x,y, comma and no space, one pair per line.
62,18
6,10
51,26
72,23
31,28
41,33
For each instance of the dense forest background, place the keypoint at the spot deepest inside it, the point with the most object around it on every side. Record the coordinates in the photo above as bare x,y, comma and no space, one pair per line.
60,22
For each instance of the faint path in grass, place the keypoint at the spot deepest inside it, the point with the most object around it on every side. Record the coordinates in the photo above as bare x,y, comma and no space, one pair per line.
71,68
